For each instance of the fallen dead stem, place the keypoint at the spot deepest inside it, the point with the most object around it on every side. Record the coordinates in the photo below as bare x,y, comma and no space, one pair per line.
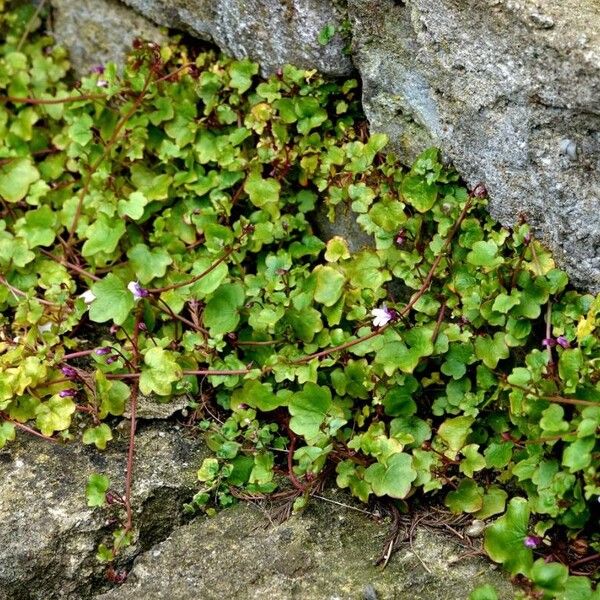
432,518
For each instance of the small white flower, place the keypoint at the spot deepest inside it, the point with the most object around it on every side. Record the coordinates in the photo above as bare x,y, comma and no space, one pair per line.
137,290
382,316
17,339
88,296
45,327
102,83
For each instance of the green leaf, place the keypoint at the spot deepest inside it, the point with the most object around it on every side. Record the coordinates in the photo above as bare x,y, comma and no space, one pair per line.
209,469
569,365
221,314
257,395
457,359
337,249
113,396
494,503
99,436
498,454
160,371
398,401
305,323
134,206
330,284
365,271
38,227
504,302
262,472
550,577
393,478
326,34
484,254
15,179
102,235
578,454
212,280
473,461
504,539
241,73
418,192
262,191
309,409
491,350
454,432
54,414
484,592
113,300
80,131
96,488
104,554
468,497
15,251
7,433
147,263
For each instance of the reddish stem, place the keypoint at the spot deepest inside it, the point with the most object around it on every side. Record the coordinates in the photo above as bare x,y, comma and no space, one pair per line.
79,354
29,429
132,427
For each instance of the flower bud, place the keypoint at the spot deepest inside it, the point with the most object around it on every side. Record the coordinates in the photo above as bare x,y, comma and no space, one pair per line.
479,191
69,372
532,541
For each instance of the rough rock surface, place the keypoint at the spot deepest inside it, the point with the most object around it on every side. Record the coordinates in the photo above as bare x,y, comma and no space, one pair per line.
272,32
509,90
48,535
98,31
326,553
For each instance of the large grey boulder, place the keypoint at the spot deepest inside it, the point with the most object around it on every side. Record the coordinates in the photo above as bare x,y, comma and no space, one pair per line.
510,91
326,553
271,32
48,534
98,31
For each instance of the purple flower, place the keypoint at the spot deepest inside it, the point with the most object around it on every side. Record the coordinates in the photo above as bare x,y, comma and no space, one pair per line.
103,351
67,393
382,316
111,359
142,327
400,238
532,541
479,191
98,69
137,290
549,342
562,341
69,372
